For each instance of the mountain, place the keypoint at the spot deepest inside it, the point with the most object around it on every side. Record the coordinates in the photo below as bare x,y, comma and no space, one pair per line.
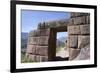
24,35
24,39
59,43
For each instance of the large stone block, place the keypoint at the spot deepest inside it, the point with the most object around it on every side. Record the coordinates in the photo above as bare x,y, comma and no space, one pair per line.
43,40
52,24
33,40
61,23
31,57
85,29
80,20
42,50
37,59
77,14
83,41
41,58
84,53
31,49
44,32
74,29
73,41
34,33
37,33
73,53
88,19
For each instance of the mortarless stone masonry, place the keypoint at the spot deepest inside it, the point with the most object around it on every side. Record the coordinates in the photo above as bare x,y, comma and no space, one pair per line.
78,28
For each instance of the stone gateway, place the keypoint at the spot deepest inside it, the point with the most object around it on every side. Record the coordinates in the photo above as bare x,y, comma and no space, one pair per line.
41,44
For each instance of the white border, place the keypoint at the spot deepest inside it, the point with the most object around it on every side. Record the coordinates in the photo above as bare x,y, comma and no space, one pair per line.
20,65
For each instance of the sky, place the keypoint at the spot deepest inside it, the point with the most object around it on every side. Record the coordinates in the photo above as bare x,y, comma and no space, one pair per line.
31,18
62,34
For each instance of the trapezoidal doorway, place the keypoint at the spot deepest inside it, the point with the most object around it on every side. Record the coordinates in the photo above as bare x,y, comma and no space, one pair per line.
62,53
53,54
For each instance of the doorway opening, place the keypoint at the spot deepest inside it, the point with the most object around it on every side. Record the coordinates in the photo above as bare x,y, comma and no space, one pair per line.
53,50
62,53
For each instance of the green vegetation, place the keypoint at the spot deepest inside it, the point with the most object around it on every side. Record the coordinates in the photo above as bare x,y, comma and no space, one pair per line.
24,39
60,43
59,48
24,58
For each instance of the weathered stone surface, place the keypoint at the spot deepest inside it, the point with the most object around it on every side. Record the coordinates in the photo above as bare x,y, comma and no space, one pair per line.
43,40
33,40
78,30
37,59
61,23
42,50
77,14
73,53
68,42
74,14
34,33
31,49
84,53
44,32
85,29
73,41
88,19
83,41
31,57
37,33
52,24
74,29
80,20
43,58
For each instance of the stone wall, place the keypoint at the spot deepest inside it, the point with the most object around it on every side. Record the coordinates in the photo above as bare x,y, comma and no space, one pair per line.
37,48
78,33
38,41
78,27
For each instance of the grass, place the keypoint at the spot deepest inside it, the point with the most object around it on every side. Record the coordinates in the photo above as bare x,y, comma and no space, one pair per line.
59,48
25,58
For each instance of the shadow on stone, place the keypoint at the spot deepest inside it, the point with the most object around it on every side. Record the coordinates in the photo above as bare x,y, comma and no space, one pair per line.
58,58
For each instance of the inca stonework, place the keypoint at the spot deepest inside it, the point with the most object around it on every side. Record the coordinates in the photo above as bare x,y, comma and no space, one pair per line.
41,42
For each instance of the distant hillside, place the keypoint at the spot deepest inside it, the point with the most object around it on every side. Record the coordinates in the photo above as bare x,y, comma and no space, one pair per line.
24,35
59,43
62,39
24,39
